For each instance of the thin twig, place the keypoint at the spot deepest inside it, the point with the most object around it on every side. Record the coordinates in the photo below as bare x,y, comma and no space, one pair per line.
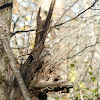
83,50
22,31
65,12
59,19
78,14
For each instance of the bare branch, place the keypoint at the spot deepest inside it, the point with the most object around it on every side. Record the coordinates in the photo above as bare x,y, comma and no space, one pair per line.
6,5
65,12
60,18
83,50
78,14
15,69
45,87
12,34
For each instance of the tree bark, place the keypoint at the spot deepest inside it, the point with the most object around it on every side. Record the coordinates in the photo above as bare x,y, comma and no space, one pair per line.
5,17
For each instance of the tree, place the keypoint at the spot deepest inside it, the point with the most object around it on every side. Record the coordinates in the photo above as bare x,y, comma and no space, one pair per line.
28,81
5,17
36,57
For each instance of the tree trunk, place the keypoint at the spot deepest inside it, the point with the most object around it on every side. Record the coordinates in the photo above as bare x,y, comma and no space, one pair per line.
5,24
